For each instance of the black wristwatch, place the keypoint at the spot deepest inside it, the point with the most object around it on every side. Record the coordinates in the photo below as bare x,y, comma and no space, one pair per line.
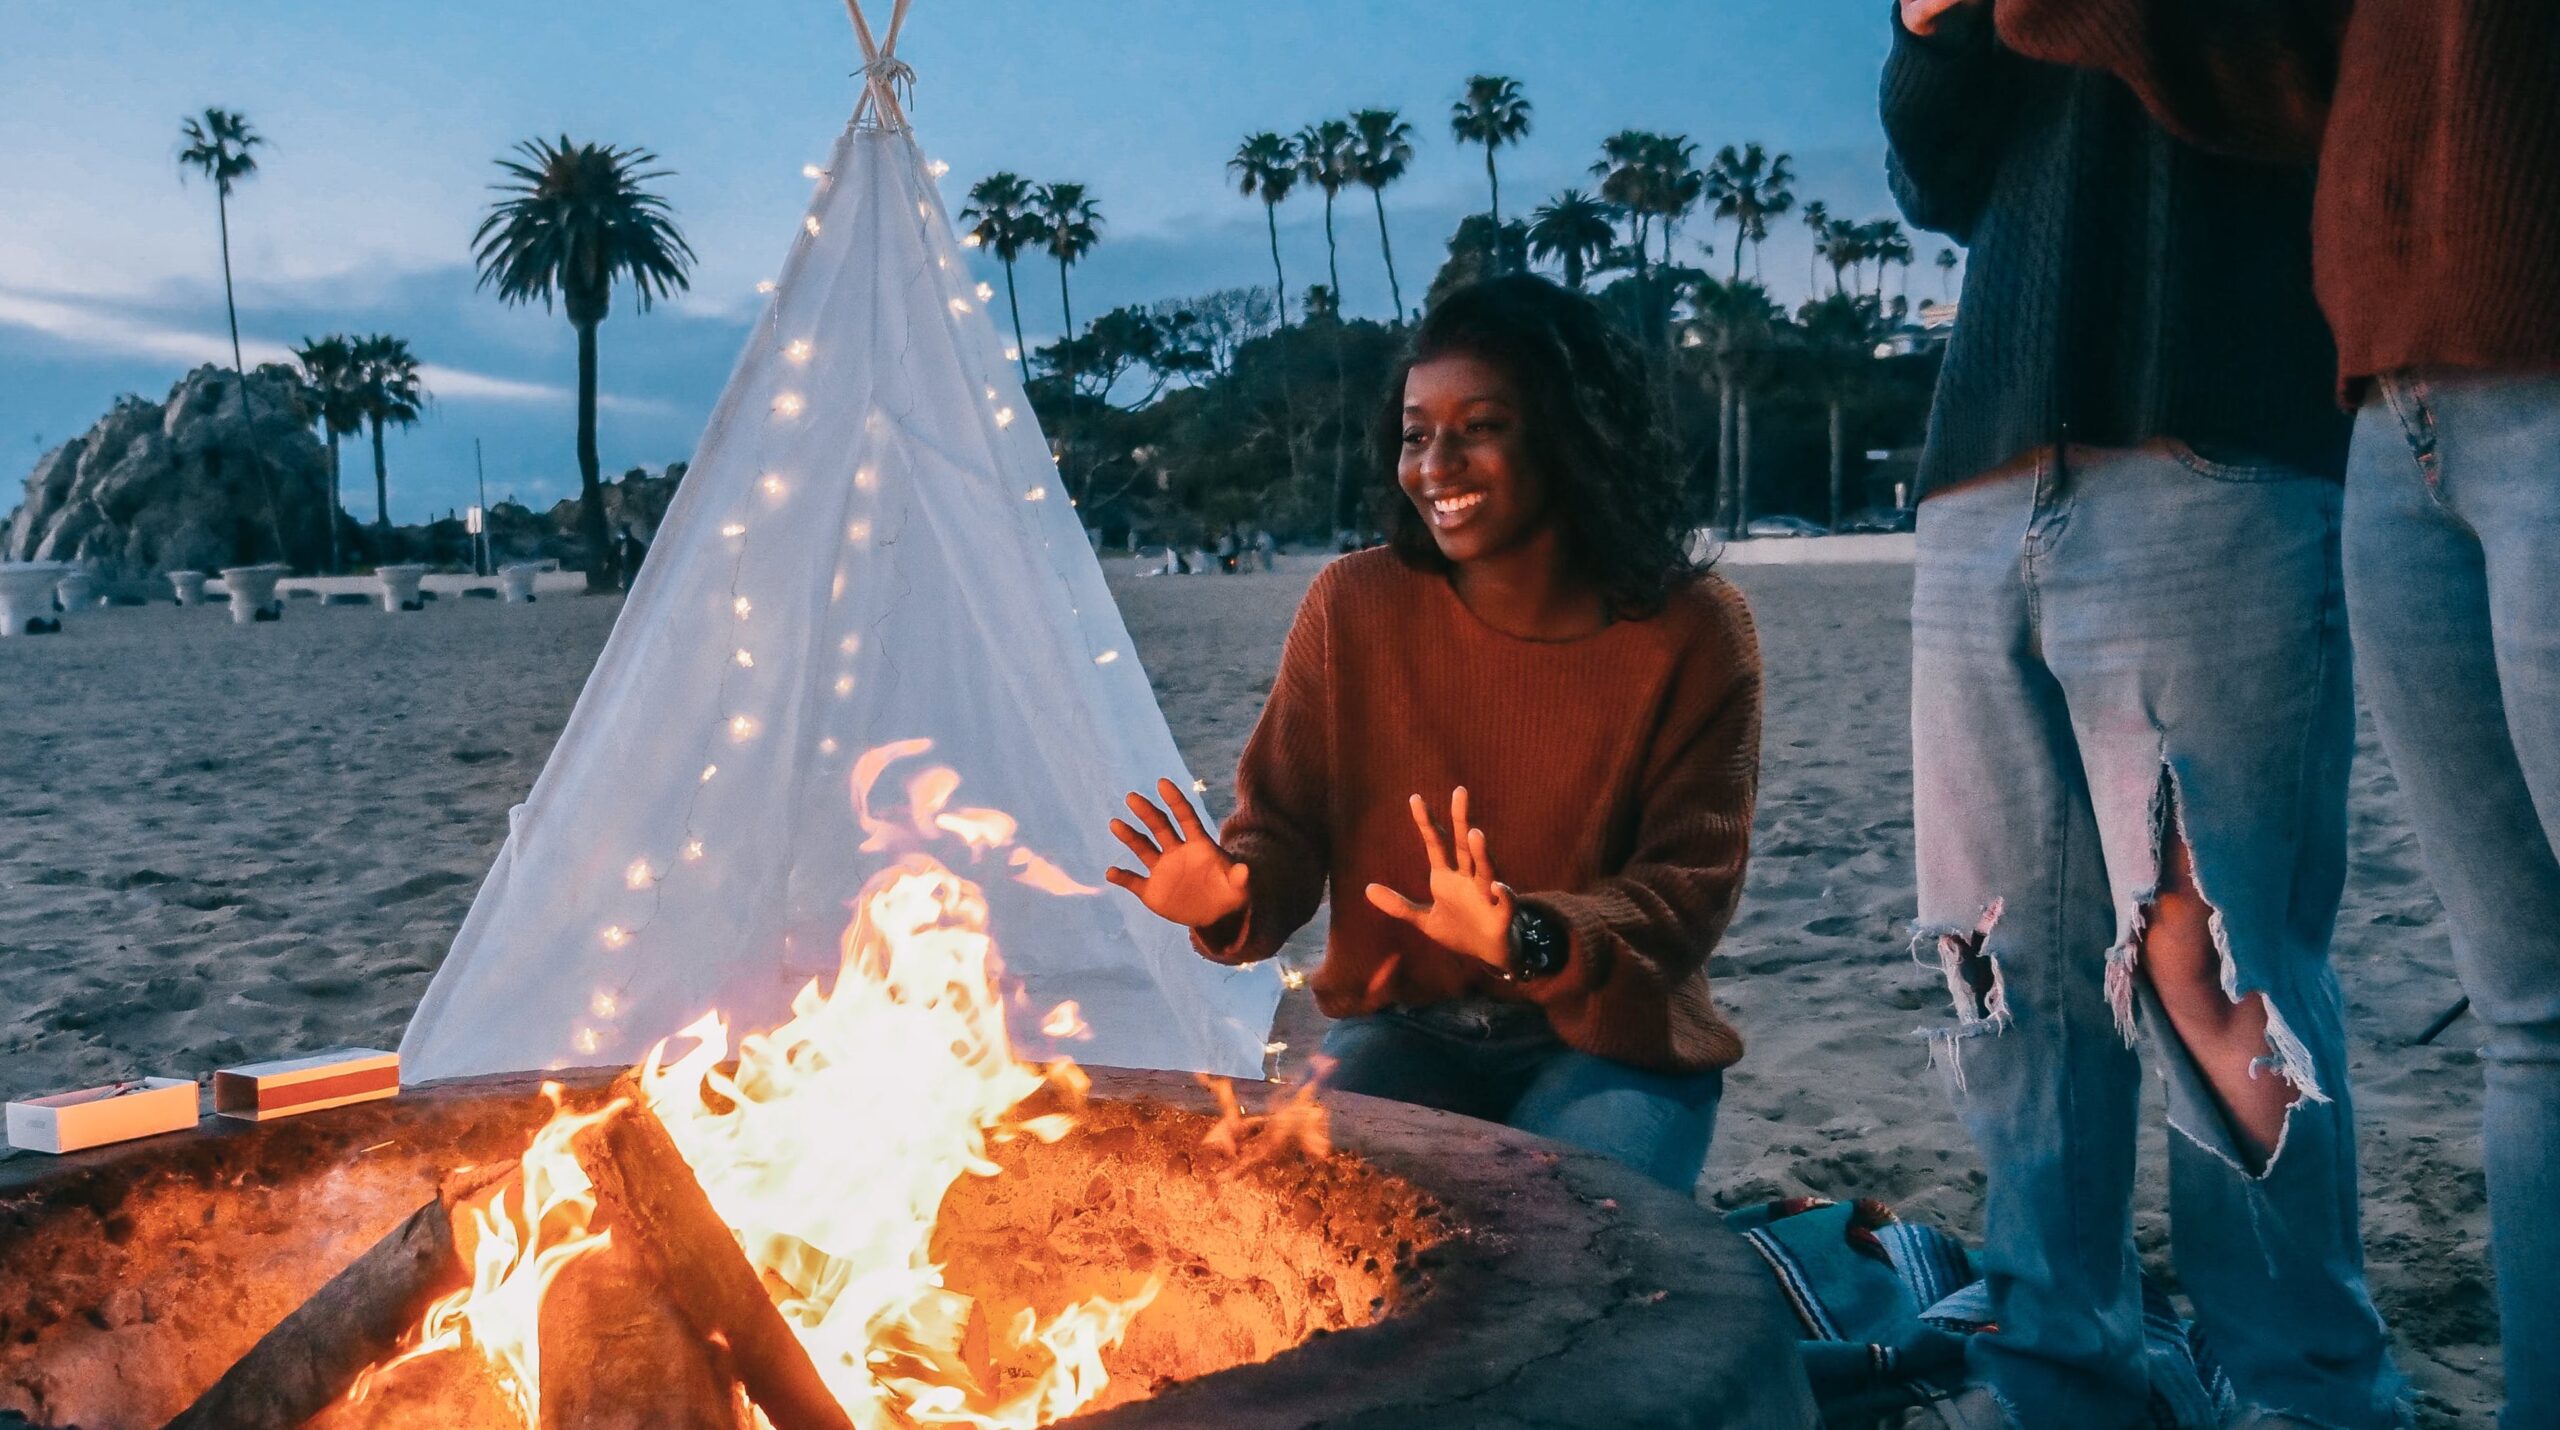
1538,946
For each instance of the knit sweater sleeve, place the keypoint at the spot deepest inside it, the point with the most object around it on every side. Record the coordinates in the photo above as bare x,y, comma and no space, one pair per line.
1639,934
1281,827
2250,78
1946,101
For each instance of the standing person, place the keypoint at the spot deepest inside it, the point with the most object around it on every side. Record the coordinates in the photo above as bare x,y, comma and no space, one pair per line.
1535,656
2131,729
2436,124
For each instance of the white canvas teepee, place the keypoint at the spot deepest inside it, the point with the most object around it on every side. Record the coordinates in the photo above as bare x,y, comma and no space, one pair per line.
870,547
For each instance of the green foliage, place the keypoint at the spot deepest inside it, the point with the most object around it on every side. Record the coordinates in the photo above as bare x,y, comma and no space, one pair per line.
573,220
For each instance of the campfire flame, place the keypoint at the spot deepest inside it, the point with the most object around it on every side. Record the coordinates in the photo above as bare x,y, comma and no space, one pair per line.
827,1145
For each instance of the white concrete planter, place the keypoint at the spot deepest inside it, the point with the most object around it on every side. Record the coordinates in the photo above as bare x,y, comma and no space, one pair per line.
253,593
26,596
189,585
517,581
400,587
77,589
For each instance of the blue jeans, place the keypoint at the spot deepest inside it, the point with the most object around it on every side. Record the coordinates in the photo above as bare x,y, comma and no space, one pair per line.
2453,512
2140,644
1501,1062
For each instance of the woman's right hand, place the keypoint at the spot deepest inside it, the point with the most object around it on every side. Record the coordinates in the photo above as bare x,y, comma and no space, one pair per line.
1189,879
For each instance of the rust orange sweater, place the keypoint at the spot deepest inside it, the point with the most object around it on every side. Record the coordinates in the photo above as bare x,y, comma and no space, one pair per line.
1613,777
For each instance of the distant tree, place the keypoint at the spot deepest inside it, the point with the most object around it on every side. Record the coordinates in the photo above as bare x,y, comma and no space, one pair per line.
1736,326
1884,242
1071,225
331,383
1492,113
1223,322
388,393
573,220
1380,156
221,146
1843,247
1002,220
1749,188
1629,174
1265,166
1839,335
1946,274
1326,158
1573,229
1816,216
1480,249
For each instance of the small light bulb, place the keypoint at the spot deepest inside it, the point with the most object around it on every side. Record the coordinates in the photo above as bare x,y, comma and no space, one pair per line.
857,532
835,588
1012,354
692,851
1199,786
772,485
986,292
788,404
639,875
937,168
810,223
1004,417
743,607
765,287
844,685
971,239
866,479
827,746
1275,1048
1292,978
959,305
812,171
1106,657
741,728
991,394
849,644
745,658
588,1042
923,209
1036,494
614,935
735,528
798,351
708,771
603,1005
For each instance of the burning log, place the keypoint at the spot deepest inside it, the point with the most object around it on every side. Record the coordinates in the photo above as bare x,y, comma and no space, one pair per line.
618,1355
313,1356
648,1194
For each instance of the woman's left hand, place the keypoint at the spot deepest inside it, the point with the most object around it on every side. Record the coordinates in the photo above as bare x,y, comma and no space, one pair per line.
1469,912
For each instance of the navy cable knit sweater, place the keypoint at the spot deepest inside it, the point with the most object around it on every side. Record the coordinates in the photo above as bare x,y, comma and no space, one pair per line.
2121,286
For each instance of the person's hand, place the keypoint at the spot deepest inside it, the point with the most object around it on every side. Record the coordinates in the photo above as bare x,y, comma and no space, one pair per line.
1921,17
1189,879
1469,912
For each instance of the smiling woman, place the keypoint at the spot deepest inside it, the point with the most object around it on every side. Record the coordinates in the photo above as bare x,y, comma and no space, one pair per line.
1537,657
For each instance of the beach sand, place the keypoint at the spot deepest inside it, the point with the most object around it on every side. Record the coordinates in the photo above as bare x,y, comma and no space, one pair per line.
217,844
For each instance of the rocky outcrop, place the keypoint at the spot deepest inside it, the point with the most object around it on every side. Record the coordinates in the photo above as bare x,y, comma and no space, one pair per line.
194,482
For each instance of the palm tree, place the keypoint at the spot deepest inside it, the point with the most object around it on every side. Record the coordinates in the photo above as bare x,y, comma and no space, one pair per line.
1001,221
1629,176
219,145
1839,334
1266,167
1676,183
1326,159
1843,246
387,392
1380,155
1736,324
574,219
1749,188
1574,229
1493,113
1817,217
1070,226
1946,273
1884,241
329,376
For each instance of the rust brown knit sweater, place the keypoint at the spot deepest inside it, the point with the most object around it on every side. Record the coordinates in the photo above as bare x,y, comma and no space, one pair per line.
1613,777
2437,128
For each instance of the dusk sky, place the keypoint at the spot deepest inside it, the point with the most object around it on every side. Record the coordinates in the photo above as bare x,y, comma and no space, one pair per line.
383,121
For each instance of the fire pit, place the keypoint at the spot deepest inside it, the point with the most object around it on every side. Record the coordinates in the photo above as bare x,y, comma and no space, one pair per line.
1431,1271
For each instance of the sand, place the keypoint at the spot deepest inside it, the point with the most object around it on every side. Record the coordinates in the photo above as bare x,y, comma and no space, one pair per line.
219,843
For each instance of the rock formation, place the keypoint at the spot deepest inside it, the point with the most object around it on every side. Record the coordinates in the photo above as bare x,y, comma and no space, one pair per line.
194,482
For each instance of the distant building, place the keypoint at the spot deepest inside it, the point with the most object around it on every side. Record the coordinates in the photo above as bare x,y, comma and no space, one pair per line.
1936,325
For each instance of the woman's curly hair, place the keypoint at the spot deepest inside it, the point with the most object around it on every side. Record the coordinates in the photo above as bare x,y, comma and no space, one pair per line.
1612,486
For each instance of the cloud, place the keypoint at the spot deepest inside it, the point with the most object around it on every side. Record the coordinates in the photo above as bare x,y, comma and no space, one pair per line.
94,326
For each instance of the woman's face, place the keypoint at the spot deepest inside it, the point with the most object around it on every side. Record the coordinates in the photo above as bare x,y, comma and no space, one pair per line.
1464,462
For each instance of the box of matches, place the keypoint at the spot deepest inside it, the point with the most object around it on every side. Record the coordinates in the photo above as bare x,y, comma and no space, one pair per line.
96,1116
288,1087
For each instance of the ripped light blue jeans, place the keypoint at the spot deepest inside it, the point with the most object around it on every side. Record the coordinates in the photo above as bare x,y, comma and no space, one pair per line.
2453,519
2138,644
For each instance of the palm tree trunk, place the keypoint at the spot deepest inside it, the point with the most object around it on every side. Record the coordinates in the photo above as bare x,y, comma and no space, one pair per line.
1332,258
1495,180
1573,269
1742,461
1741,226
1724,456
335,560
231,307
601,557
381,484
1394,289
1067,365
1279,280
1021,354
1839,463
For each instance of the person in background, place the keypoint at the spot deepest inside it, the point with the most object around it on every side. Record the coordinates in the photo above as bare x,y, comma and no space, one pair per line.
2132,723
1535,658
2436,125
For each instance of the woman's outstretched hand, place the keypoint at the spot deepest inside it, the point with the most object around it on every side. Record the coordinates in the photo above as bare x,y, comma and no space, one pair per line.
1189,879
1469,912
